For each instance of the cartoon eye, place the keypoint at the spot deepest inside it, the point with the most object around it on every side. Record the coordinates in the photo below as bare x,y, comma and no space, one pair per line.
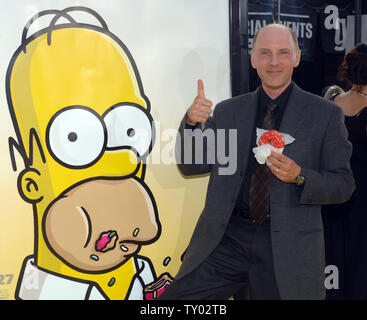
129,127
76,137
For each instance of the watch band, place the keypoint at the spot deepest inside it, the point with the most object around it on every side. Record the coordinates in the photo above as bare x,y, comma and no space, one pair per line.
300,180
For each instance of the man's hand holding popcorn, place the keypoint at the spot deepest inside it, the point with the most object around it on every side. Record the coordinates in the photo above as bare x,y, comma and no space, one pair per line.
271,144
284,168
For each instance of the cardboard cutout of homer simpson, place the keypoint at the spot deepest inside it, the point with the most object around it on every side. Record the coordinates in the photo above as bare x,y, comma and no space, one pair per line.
83,128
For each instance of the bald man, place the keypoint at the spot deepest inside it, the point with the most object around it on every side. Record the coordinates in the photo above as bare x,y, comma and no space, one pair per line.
261,227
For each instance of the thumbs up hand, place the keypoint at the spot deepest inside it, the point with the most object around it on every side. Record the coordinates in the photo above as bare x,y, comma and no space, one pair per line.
201,108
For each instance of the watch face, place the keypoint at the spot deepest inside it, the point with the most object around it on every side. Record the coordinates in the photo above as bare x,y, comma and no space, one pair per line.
300,180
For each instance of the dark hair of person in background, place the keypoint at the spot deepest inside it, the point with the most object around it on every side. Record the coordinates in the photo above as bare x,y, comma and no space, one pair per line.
353,69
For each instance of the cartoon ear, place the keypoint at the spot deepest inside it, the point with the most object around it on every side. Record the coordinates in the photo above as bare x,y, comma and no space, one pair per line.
29,185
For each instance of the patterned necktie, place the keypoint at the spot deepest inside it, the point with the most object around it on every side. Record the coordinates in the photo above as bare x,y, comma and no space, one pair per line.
259,195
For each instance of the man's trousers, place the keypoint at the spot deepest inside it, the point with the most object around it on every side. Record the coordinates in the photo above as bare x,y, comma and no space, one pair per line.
243,258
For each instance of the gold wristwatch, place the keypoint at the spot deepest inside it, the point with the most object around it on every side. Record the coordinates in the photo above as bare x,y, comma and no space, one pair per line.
300,180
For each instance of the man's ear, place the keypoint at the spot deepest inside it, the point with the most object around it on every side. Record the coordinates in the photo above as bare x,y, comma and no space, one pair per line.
252,60
29,185
298,58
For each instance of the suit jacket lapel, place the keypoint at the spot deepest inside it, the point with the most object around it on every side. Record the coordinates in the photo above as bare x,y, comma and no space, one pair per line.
294,113
245,122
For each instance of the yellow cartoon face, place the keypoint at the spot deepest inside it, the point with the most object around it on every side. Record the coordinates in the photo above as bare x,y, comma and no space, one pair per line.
83,127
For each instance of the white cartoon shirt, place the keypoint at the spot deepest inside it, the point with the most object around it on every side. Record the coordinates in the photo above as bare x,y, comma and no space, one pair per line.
39,284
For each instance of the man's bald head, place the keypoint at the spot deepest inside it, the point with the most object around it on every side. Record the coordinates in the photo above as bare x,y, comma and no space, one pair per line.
277,26
274,55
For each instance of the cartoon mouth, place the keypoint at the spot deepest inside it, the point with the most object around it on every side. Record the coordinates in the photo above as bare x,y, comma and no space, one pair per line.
106,241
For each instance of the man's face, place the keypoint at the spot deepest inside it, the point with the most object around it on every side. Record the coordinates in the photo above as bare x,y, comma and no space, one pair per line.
274,56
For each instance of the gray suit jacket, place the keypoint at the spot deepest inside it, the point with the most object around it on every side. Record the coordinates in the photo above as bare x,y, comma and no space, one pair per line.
321,148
